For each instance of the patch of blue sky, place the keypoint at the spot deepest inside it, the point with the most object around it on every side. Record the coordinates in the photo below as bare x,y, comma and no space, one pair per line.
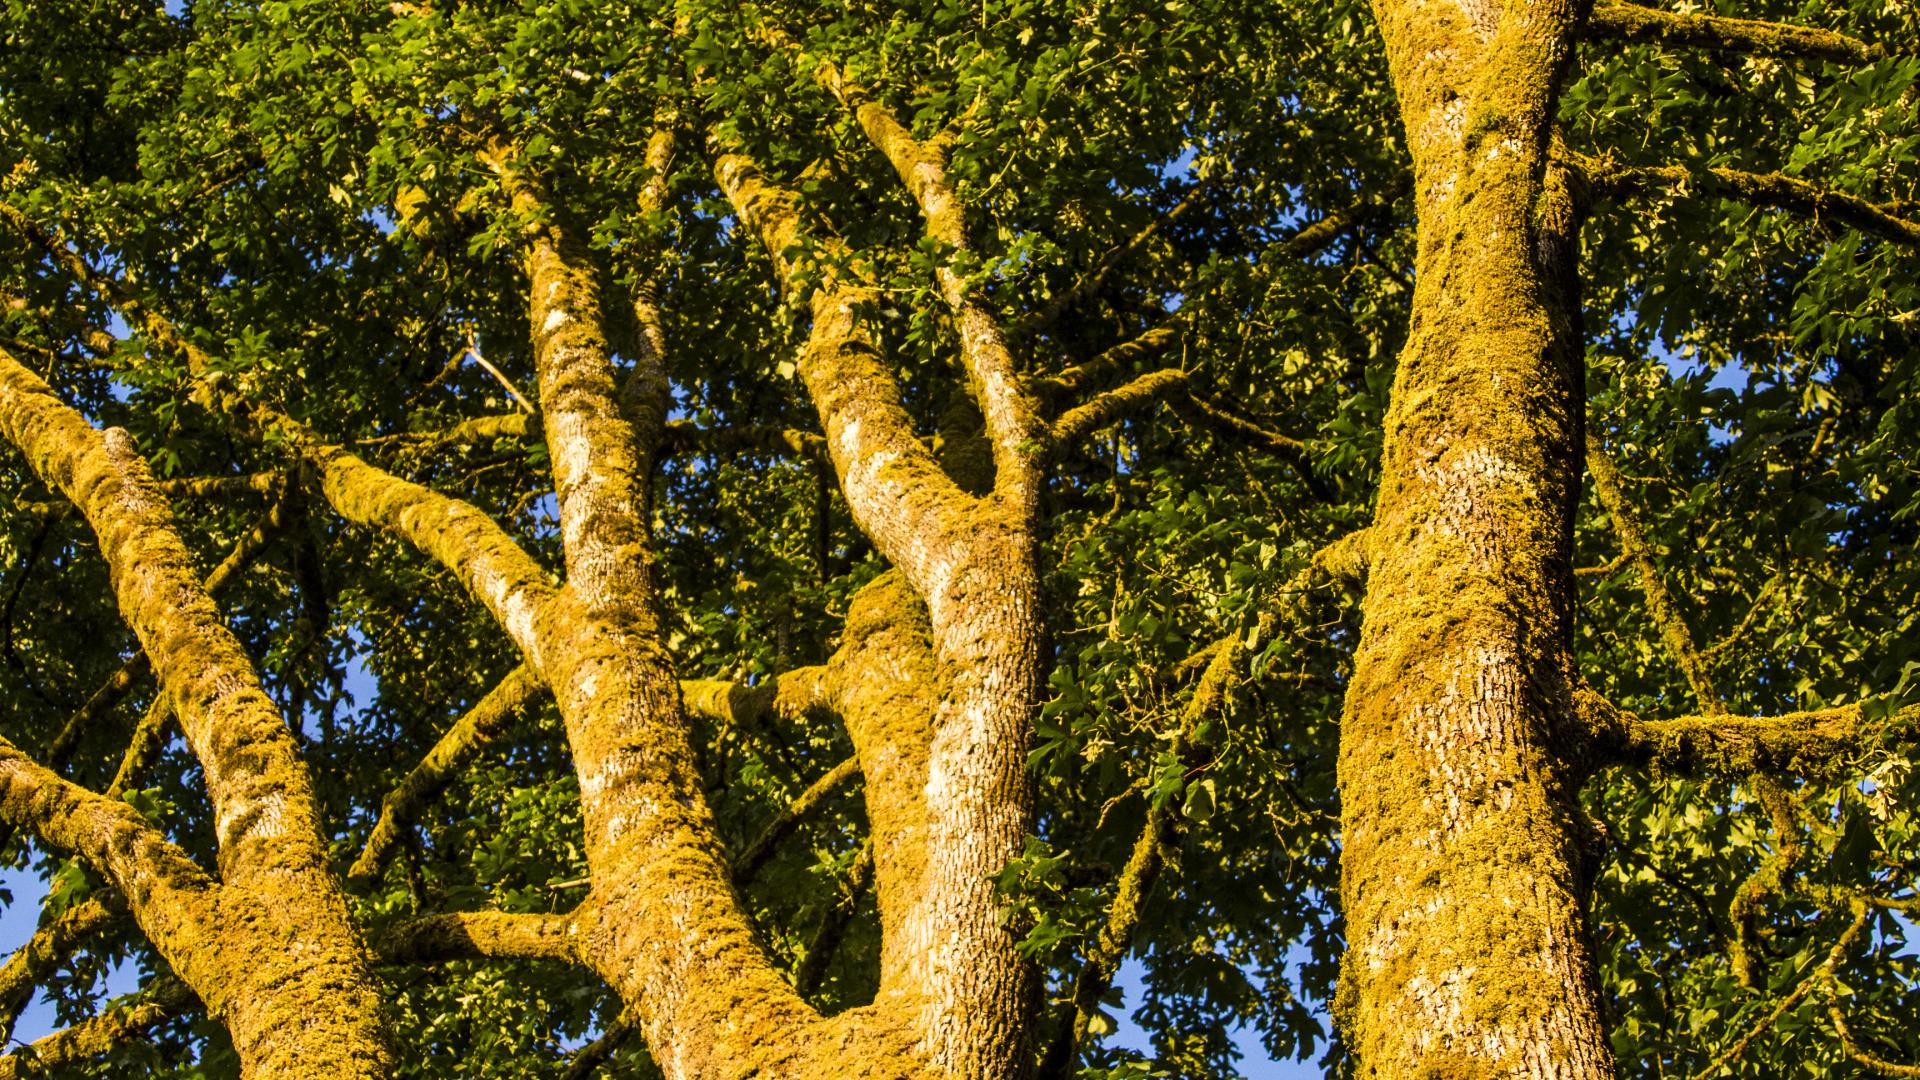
1254,1064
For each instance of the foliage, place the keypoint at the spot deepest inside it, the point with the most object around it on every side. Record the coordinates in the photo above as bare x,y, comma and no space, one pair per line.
295,182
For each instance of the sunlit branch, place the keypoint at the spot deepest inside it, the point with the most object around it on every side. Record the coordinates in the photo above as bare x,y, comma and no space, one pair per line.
1660,603
48,950
1620,21
1100,961
1814,980
1112,405
1083,377
1820,743
1340,563
100,1035
1012,416
1776,191
1095,280
480,935
485,722
787,696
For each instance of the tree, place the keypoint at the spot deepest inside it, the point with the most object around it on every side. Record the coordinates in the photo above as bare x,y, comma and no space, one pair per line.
1419,495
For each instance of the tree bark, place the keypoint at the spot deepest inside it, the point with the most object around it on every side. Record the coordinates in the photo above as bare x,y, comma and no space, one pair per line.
1461,885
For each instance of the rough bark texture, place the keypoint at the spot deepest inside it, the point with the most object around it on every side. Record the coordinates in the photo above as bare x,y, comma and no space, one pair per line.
971,560
1467,950
271,950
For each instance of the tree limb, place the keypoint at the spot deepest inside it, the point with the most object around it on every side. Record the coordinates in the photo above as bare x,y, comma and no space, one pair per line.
1774,190
1082,377
1105,408
49,948
1635,23
1817,744
1814,979
91,1038
761,847
480,935
833,924
1012,415
588,1059
1103,955
1660,603
486,721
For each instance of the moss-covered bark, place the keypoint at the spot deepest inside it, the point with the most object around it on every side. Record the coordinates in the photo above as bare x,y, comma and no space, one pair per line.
278,919
1467,949
971,560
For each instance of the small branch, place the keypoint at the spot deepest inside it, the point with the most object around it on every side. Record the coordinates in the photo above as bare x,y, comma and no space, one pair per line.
1859,1054
1776,191
47,951
760,849
1292,451
1636,24
520,399
588,1059
208,487
1821,743
1011,414
833,925
1162,830
789,695
1112,405
484,723
479,935
1660,603
1820,975
1604,568
91,1038
1082,377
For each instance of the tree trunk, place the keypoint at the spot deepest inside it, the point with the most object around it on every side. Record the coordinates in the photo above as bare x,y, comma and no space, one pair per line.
1461,885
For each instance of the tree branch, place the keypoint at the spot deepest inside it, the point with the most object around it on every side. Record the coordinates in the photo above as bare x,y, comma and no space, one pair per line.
1158,836
1105,408
588,1059
480,935
1636,24
898,493
1660,603
1817,744
1835,956
265,820
485,722
47,951
1082,377
761,847
787,696
91,1038
1012,415
1775,190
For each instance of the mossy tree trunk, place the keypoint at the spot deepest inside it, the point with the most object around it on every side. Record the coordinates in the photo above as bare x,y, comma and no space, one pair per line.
1461,879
